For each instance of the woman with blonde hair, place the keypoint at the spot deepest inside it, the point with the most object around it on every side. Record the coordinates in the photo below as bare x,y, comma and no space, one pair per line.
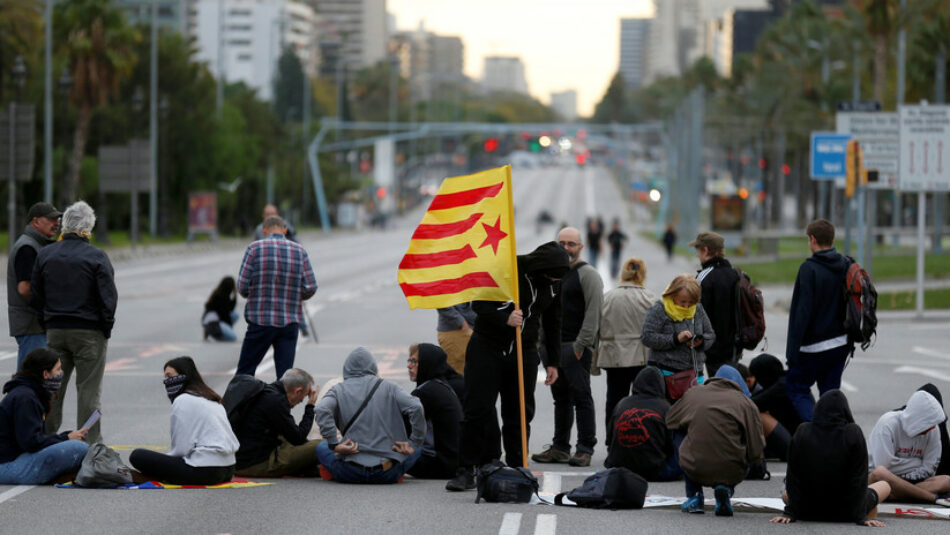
678,332
620,350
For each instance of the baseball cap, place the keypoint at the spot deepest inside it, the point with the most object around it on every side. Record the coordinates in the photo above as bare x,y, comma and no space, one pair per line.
43,209
710,240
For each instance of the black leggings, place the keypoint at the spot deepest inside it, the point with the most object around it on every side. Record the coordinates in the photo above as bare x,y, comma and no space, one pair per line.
176,471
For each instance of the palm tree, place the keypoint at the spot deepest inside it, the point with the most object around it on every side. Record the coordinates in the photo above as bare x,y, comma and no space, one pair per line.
21,27
98,44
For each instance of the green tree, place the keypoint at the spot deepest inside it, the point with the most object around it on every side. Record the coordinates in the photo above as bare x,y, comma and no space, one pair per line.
288,86
21,28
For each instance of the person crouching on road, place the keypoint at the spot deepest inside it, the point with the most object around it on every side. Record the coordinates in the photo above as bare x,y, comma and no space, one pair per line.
29,455
723,438
203,445
677,331
368,445
272,444
429,368
219,316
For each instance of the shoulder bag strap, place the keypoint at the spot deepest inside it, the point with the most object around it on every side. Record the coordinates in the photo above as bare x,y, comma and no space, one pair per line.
363,406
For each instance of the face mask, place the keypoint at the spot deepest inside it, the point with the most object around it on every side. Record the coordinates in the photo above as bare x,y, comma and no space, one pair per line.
174,385
52,384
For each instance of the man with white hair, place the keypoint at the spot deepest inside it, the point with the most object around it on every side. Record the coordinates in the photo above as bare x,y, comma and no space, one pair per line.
73,290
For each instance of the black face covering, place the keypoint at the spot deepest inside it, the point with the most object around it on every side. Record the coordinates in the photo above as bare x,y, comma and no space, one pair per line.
174,385
54,383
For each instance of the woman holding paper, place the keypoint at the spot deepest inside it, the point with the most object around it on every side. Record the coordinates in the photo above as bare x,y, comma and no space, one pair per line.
28,454
203,445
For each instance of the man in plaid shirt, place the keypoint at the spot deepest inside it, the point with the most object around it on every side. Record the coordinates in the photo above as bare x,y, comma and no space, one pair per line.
275,277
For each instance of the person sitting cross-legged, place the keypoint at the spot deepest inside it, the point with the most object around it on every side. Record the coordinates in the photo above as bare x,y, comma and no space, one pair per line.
436,388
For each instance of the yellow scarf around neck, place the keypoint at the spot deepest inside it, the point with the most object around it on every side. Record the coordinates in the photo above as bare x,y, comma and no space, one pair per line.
676,312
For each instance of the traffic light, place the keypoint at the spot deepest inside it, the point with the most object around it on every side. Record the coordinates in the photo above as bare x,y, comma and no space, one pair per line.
491,144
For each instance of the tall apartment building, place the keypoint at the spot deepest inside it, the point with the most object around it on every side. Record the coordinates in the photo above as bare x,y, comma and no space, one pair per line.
735,32
565,104
241,40
634,44
504,73
361,27
171,14
429,61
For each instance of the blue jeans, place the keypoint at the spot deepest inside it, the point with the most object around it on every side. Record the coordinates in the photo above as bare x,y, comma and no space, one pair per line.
45,465
27,343
260,337
227,330
825,368
345,472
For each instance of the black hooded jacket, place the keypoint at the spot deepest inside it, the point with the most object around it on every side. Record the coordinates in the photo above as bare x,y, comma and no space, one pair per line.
540,303
638,438
817,309
827,477
443,411
22,424
773,398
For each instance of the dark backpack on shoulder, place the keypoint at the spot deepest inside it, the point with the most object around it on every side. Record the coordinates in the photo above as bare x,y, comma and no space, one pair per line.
238,396
750,313
497,483
860,307
613,488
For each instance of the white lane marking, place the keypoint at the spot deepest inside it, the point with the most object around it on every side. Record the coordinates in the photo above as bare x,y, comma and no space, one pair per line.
923,371
510,524
570,474
545,525
930,352
14,492
551,483
848,387
267,362
7,355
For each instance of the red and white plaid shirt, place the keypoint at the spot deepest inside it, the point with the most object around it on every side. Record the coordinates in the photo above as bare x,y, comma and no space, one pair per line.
275,277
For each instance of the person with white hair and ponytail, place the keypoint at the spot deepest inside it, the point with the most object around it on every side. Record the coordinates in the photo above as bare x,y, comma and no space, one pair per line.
73,290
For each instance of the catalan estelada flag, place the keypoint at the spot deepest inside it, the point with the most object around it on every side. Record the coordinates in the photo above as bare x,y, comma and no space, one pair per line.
464,249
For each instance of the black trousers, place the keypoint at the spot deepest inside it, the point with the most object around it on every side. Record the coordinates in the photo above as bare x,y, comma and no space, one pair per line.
571,393
490,373
175,470
619,385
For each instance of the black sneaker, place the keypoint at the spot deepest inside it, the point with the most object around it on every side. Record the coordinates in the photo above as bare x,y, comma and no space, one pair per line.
464,480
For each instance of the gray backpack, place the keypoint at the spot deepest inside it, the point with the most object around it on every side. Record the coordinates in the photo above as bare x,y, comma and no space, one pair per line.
102,467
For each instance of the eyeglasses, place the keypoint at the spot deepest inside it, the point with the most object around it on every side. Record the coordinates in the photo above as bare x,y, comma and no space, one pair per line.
413,362
568,243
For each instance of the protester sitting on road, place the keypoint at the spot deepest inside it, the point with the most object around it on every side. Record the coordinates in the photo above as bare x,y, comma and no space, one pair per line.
779,417
29,455
904,451
219,315
637,436
272,444
677,331
723,438
203,445
944,467
362,423
827,479
620,350
429,369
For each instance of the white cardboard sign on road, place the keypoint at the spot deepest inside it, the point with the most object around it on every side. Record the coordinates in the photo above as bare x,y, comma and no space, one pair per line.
925,148
879,136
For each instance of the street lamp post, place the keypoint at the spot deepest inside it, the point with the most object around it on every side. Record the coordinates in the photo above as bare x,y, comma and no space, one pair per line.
137,100
19,78
65,84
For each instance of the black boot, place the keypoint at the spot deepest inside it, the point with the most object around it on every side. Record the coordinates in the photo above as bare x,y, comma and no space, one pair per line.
464,479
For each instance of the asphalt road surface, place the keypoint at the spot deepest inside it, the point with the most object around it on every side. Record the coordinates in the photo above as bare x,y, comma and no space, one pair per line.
359,303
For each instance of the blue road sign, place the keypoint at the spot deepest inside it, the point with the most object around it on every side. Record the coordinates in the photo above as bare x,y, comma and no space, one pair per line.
828,155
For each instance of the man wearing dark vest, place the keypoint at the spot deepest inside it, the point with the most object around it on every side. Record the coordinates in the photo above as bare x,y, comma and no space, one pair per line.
41,229
582,295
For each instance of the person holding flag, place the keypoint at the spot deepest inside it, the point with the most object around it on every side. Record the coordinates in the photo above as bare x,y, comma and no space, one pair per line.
464,250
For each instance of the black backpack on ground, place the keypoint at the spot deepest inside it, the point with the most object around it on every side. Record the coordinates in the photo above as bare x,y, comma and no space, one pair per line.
498,483
237,397
613,488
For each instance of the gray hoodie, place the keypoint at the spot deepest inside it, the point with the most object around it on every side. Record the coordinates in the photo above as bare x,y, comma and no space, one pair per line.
896,442
381,423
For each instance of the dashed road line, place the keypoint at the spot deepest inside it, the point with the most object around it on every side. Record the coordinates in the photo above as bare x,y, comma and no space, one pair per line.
545,525
923,371
510,524
930,352
6,355
14,492
848,387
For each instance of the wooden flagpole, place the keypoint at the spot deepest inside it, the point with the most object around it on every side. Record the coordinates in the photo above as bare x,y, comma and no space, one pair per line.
514,286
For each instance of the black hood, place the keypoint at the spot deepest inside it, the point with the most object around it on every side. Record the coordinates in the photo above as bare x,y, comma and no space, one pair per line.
548,259
767,369
831,259
832,410
433,364
32,384
649,384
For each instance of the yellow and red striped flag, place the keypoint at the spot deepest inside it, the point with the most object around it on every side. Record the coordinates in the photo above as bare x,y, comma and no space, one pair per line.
464,249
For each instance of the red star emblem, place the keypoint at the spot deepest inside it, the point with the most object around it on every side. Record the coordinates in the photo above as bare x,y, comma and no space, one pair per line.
494,234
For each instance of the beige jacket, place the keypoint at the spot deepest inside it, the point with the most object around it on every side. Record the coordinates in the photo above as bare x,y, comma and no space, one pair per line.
620,322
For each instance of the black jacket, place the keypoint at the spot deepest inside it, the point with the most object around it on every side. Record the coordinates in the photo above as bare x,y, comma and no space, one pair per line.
637,437
73,286
718,283
22,424
222,306
267,418
443,410
540,303
817,310
827,475
772,397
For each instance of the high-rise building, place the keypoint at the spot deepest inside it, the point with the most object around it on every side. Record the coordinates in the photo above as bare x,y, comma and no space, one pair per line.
565,104
430,62
735,32
170,15
634,42
504,73
361,26
241,40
